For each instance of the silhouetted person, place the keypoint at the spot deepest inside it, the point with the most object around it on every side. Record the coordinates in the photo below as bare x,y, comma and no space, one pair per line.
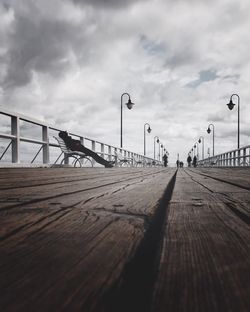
181,164
195,161
189,160
177,163
75,145
165,160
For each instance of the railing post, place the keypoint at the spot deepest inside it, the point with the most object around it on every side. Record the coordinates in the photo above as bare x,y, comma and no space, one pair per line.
15,130
234,158
109,152
244,157
116,158
93,149
238,152
45,135
102,150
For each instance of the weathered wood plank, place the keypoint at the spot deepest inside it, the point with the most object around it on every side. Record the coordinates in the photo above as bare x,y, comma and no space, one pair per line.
67,256
205,259
40,206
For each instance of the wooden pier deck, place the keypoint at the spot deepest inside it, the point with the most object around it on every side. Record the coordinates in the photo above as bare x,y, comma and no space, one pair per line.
125,239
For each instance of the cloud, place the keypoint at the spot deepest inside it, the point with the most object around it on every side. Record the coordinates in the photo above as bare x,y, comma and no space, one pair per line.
68,62
106,4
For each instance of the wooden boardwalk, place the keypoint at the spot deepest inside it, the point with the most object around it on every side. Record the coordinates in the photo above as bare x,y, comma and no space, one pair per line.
125,239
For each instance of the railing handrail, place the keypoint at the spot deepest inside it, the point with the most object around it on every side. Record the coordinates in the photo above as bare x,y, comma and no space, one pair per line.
15,138
236,157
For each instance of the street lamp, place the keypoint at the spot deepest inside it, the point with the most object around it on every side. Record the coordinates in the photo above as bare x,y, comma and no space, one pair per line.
231,106
209,131
129,106
201,139
158,140
149,130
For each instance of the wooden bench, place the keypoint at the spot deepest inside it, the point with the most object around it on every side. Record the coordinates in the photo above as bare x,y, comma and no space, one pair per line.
80,159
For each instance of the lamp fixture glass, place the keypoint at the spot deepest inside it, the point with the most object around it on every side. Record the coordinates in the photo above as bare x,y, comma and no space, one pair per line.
129,104
230,104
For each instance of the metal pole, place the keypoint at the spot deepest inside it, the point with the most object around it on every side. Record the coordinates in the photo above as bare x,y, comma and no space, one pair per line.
146,124
238,122
203,148
154,148
125,93
121,121
144,141
213,140
213,134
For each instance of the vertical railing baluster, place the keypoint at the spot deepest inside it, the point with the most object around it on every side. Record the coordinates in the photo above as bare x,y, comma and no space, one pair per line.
45,138
93,149
15,130
102,150
109,152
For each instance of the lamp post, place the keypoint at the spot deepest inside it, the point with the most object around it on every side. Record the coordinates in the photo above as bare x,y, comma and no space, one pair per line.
159,155
201,139
231,106
149,130
129,105
158,140
208,131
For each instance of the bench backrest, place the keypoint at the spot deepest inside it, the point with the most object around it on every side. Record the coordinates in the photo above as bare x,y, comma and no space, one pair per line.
62,145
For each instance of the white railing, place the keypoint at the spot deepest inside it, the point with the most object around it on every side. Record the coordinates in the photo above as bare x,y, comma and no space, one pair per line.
46,142
234,158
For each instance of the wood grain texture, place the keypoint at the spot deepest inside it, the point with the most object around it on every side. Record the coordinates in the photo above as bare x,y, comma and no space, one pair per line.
66,235
125,239
205,258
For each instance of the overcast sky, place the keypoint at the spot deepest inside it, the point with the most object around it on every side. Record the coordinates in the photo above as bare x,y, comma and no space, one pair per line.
68,62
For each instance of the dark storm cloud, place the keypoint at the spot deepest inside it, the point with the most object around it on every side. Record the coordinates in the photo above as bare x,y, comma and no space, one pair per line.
107,3
39,42
41,47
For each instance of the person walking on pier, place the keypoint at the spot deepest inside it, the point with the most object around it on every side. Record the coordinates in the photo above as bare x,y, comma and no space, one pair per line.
75,145
165,160
195,161
189,160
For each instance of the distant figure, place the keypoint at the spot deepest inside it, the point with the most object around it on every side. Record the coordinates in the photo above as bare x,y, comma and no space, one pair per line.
189,160
75,145
177,163
165,160
195,161
181,164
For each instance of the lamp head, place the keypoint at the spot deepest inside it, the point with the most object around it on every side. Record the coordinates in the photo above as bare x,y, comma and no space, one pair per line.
129,104
230,104
161,146
208,130
157,140
199,141
149,129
